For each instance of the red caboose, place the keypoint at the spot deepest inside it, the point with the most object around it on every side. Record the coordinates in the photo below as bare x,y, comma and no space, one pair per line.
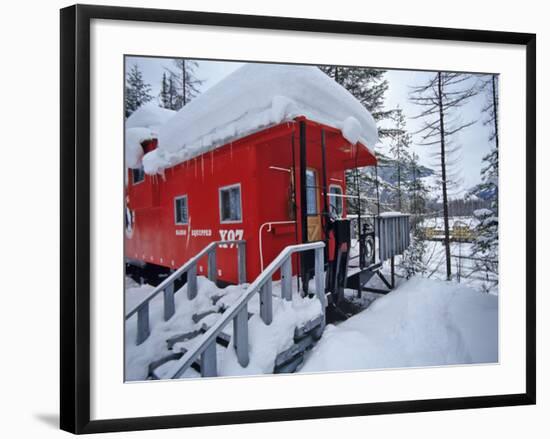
260,157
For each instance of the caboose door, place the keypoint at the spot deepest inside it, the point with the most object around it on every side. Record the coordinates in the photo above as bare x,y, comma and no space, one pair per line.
314,227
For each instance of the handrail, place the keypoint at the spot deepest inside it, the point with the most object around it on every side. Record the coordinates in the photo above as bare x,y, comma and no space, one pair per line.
260,246
239,314
167,285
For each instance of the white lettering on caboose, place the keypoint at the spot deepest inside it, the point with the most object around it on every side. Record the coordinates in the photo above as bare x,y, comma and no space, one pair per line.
231,235
201,232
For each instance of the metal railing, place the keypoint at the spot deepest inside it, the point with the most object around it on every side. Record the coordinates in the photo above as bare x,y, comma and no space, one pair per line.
167,286
205,351
393,233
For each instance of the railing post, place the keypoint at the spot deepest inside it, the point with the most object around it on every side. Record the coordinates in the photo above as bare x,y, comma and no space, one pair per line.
266,302
192,282
241,260
143,323
209,367
212,275
320,275
169,304
240,336
286,279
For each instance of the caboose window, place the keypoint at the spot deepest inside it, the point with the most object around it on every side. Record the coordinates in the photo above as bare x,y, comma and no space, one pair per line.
311,194
181,210
138,175
335,200
230,204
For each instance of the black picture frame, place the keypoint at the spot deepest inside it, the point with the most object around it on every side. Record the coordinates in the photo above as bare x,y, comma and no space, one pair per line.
75,217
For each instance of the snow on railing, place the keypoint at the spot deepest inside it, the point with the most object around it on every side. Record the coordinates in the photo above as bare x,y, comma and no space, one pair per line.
238,312
167,286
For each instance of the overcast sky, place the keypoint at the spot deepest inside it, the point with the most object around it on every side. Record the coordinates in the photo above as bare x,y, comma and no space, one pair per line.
473,140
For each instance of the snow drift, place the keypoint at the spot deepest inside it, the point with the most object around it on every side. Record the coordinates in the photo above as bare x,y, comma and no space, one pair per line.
421,323
255,97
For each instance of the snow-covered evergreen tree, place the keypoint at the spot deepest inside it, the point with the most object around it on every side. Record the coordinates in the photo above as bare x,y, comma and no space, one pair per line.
413,261
415,188
489,86
138,92
485,246
185,83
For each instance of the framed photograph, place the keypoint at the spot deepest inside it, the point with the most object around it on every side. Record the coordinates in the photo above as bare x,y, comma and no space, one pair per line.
268,218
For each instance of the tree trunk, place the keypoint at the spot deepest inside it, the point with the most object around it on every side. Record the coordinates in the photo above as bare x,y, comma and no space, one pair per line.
399,208
495,111
183,83
446,239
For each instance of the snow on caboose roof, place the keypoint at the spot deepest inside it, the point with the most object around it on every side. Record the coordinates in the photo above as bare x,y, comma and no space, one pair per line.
149,115
143,124
255,97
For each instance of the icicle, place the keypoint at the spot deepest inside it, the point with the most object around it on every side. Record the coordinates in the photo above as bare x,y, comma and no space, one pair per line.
212,162
202,166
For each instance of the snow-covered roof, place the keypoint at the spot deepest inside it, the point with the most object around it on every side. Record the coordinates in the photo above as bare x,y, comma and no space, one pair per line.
149,115
133,150
255,97
143,124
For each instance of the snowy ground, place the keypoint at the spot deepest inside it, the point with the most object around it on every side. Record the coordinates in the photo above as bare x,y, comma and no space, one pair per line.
462,267
421,323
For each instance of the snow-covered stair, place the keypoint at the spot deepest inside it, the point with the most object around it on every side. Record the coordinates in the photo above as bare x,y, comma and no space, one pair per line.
277,348
245,329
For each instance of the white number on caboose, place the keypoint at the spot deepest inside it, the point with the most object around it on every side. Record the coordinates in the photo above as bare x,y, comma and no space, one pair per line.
231,235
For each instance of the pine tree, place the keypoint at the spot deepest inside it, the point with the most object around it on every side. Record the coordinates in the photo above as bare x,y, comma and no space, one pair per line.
399,149
440,96
164,97
416,190
368,86
413,261
138,92
185,84
489,86
172,95
485,246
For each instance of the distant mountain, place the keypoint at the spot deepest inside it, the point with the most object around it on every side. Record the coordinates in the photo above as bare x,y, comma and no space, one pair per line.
483,194
462,201
387,171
